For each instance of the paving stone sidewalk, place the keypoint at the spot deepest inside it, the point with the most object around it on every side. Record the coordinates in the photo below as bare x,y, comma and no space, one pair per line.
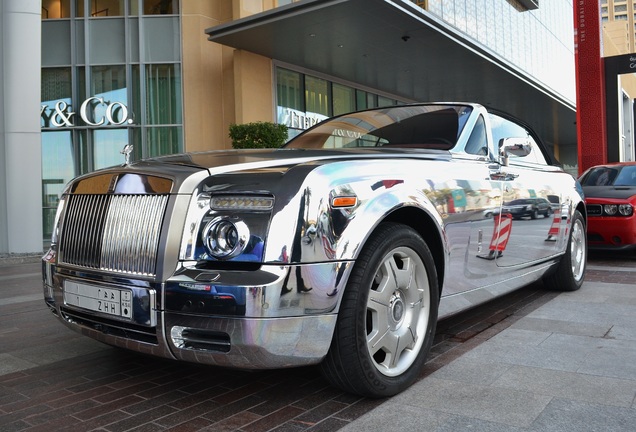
569,365
534,361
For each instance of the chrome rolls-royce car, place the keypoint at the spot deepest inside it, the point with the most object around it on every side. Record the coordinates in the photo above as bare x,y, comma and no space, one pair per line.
343,248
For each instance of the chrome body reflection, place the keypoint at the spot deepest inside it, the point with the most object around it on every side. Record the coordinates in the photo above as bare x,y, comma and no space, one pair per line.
308,213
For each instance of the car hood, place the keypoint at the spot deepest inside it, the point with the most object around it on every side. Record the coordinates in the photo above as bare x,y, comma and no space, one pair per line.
614,192
233,160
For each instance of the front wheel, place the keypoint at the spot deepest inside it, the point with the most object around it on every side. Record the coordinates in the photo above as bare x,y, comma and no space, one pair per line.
387,317
570,272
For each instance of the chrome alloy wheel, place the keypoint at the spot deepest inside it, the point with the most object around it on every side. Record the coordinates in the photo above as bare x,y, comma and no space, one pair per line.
578,249
398,311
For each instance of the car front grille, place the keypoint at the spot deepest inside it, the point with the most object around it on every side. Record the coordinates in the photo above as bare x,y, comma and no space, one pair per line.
118,233
594,209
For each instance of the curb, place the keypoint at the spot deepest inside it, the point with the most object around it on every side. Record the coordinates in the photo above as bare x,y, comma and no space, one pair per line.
8,259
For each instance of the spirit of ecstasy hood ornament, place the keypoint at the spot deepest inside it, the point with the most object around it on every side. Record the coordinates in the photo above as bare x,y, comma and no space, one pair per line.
126,151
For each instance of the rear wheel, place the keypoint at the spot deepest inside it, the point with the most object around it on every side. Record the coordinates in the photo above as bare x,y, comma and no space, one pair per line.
570,271
387,317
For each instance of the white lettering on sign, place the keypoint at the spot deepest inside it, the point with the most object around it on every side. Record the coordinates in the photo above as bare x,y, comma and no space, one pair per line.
298,119
114,113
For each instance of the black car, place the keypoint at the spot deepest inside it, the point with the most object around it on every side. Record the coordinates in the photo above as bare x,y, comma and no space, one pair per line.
528,207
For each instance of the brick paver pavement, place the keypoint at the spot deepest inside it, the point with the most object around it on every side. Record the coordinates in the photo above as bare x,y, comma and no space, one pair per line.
52,379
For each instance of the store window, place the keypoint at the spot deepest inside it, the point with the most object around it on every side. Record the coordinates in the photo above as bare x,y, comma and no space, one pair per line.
155,7
56,92
163,94
365,100
316,95
163,107
59,169
108,101
303,100
385,101
107,145
344,99
104,85
56,9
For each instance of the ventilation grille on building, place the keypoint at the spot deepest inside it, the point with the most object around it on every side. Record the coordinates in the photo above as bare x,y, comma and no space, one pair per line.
117,233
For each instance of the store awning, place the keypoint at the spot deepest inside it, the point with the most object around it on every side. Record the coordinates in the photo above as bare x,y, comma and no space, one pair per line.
397,47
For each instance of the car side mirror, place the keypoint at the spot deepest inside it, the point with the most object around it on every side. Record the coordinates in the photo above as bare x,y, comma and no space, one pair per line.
518,147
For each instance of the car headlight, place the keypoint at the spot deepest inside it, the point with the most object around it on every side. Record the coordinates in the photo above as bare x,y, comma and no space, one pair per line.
626,209
238,202
226,227
610,209
224,237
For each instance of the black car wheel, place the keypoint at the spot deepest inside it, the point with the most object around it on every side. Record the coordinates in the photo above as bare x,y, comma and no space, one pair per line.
388,315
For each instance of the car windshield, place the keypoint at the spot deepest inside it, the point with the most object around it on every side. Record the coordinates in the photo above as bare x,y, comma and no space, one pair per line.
420,126
610,176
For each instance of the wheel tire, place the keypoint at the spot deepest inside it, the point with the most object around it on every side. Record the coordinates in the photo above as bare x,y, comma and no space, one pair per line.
387,318
570,272
535,214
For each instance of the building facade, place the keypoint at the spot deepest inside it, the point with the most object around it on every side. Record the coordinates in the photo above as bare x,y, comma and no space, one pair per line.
153,73
618,19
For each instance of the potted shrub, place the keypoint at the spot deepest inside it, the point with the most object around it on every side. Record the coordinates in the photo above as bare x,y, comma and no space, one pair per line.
258,135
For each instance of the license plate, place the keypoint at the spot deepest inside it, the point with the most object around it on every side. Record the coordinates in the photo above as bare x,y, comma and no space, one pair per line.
111,301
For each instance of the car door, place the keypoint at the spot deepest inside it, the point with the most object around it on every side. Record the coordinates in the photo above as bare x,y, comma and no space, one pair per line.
528,176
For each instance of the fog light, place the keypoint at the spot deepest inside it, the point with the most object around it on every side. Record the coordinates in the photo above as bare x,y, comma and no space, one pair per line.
225,238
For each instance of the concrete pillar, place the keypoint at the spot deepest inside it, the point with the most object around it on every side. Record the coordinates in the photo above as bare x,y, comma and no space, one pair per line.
20,142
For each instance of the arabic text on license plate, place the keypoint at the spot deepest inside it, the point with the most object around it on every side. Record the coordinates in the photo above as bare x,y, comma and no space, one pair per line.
111,301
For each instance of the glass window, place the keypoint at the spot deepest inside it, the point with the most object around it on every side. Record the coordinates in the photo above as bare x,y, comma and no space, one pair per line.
344,100
101,8
288,89
57,151
384,101
53,9
163,94
155,7
164,140
504,128
107,146
316,95
56,43
161,37
108,92
110,49
56,98
478,142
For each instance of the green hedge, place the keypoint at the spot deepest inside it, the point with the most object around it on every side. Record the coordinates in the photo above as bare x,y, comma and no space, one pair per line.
258,135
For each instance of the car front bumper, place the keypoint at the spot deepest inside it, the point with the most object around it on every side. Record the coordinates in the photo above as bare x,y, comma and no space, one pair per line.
275,327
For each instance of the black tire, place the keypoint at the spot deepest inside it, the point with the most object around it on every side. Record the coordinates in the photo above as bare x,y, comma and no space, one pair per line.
570,272
535,214
361,360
